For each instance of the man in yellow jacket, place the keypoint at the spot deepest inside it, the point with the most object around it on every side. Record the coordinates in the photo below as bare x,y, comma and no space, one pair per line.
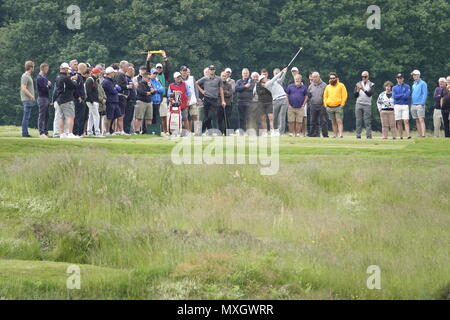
334,99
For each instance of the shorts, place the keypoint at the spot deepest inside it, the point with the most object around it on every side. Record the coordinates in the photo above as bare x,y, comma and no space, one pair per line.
193,110
112,111
296,114
143,110
335,113
66,110
401,112
185,114
122,104
418,111
266,108
164,108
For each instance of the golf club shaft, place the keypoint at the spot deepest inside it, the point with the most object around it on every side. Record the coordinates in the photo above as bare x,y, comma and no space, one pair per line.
293,59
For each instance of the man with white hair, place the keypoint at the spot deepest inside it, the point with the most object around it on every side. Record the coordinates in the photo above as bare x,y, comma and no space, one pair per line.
437,115
319,117
244,91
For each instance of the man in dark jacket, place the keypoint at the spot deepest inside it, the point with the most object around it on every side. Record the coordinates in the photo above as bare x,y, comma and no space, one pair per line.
224,114
122,82
244,90
143,108
81,110
112,99
64,97
92,101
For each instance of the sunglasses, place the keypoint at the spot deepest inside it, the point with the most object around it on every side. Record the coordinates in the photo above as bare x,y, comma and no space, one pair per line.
364,77
333,78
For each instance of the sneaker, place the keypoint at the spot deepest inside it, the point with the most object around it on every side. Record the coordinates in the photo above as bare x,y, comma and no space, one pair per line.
358,137
291,135
342,137
72,136
298,135
370,138
63,136
26,136
409,138
43,136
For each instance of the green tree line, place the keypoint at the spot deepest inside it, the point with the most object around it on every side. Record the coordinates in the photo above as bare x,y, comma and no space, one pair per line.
254,33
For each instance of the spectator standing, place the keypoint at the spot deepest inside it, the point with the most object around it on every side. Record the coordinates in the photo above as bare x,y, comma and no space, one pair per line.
27,96
334,99
43,88
385,103
319,116
418,102
437,115
363,109
298,97
244,92
445,106
401,93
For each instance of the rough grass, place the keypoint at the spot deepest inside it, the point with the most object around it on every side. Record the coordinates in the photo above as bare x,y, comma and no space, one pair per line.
142,228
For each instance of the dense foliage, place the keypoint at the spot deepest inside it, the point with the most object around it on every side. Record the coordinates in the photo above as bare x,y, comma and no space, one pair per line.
252,33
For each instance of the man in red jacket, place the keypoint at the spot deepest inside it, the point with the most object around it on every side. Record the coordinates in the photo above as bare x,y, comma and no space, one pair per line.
180,87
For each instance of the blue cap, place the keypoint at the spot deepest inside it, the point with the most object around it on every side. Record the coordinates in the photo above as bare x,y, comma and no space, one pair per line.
153,71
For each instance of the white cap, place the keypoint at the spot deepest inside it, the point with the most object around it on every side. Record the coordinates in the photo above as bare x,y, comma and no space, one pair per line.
294,69
228,70
159,65
176,75
261,77
64,65
110,70
416,72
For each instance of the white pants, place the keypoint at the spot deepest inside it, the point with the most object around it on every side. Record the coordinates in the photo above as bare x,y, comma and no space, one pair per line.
437,120
94,118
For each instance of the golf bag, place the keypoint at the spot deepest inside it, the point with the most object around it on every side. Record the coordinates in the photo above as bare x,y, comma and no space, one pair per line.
175,114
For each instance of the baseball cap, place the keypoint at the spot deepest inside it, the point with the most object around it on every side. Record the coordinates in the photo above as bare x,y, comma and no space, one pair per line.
143,68
64,65
294,69
400,75
261,77
416,72
96,70
176,75
183,68
159,65
228,70
212,67
153,71
110,70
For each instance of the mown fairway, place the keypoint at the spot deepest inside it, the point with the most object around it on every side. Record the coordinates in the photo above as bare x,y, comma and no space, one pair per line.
141,228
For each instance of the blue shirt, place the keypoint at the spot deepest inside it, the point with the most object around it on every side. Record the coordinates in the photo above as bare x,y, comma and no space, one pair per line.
401,94
419,92
296,95
157,96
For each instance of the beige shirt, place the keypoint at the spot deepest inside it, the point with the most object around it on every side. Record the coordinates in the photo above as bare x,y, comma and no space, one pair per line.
27,81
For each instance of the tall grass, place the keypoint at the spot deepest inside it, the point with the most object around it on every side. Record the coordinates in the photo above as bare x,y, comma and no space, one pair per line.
160,231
